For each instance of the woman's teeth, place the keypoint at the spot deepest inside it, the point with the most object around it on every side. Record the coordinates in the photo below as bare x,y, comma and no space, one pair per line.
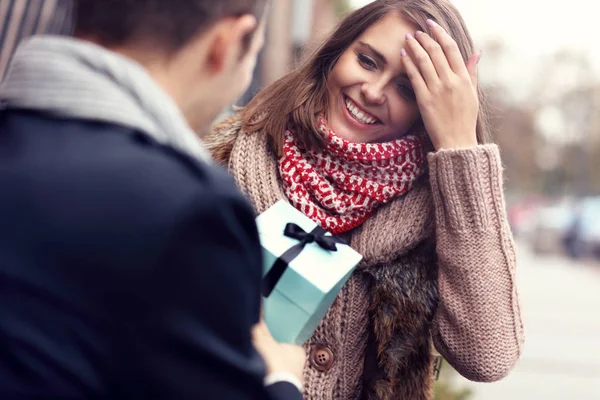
359,115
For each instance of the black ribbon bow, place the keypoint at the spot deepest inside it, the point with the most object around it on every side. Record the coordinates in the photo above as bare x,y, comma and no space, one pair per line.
293,231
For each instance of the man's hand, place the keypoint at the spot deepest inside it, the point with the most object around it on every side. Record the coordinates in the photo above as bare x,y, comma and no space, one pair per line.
279,357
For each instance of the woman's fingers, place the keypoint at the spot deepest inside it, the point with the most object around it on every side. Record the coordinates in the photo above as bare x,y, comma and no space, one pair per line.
436,55
416,79
422,60
472,67
448,45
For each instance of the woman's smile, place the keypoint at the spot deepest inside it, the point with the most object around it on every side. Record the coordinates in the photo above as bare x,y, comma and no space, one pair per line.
357,115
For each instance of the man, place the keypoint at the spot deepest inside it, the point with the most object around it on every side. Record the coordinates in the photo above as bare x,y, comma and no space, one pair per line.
20,19
129,266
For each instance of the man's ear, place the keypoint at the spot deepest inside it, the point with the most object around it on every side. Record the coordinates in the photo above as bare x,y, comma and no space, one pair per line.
227,43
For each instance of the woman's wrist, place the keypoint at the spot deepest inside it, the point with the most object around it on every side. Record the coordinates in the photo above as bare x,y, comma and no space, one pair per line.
457,144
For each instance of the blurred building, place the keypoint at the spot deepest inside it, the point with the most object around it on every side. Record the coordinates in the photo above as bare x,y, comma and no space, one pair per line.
292,27
20,19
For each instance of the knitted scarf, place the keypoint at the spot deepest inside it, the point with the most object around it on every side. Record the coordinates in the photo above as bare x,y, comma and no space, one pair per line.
342,185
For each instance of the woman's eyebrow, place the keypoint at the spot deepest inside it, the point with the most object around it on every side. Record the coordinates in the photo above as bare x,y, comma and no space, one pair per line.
380,57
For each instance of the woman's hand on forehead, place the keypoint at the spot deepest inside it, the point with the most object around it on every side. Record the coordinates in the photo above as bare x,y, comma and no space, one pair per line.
445,87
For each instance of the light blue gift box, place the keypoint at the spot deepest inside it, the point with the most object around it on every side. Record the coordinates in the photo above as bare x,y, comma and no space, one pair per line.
311,282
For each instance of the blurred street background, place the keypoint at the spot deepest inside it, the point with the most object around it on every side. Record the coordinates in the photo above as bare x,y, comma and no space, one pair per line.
541,69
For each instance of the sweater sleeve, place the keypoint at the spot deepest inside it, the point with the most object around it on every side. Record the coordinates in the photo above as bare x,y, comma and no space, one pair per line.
478,327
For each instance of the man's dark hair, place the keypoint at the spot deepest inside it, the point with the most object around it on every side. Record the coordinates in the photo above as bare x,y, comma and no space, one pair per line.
164,24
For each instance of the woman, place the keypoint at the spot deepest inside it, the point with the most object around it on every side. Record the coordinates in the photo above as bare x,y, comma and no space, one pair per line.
380,137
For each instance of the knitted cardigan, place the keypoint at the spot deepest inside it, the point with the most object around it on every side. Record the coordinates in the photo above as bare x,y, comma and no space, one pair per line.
438,269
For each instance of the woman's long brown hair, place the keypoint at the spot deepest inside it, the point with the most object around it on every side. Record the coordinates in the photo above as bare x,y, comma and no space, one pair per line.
295,101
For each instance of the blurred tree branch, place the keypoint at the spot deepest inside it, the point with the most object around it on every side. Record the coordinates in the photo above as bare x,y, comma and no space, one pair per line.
550,141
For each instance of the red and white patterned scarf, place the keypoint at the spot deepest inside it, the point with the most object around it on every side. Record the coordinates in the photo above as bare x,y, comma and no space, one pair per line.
341,186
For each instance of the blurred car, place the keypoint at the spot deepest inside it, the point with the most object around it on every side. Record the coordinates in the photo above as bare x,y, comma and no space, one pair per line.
551,224
583,238
522,216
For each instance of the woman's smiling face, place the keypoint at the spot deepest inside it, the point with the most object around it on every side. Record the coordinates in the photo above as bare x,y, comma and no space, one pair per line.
370,97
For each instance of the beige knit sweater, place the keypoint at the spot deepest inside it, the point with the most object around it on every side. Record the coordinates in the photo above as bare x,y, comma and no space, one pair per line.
439,267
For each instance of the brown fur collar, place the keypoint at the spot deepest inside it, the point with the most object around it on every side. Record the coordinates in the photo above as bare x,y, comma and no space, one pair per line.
404,301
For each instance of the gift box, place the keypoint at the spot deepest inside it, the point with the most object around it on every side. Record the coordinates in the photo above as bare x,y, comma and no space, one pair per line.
304,269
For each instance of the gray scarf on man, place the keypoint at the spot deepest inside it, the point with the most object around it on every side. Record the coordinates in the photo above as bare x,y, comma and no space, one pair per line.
71,78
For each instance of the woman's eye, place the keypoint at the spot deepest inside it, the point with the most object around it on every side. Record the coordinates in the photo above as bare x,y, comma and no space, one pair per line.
406,91
366,62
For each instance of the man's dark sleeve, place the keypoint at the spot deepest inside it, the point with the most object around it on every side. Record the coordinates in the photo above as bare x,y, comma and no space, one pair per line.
284,391
193,338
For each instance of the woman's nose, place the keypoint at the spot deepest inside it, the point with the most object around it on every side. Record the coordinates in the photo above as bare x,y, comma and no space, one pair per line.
373,92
